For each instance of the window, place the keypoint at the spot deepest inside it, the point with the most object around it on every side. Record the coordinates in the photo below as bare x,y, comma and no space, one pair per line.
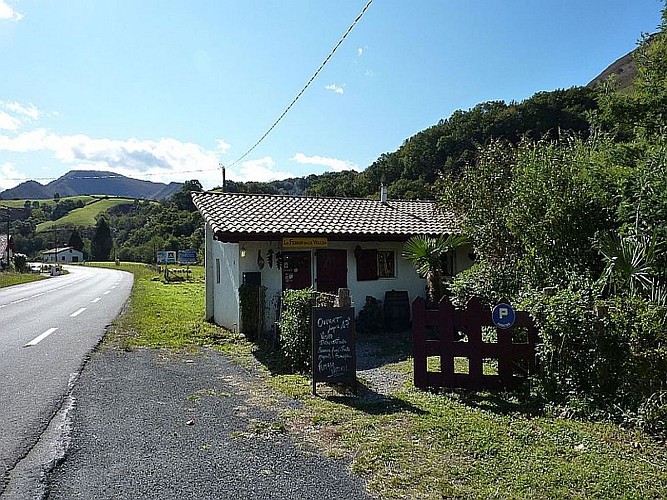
375,264
386,264
217,270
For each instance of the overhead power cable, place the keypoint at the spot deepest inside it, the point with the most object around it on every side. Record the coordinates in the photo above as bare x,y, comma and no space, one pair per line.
312,78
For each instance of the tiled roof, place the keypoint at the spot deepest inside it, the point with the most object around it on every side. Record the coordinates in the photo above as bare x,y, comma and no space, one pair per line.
231,214
58,250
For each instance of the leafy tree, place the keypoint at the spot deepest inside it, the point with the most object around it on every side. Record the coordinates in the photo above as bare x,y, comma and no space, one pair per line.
75,240
102,242
56,197
183,199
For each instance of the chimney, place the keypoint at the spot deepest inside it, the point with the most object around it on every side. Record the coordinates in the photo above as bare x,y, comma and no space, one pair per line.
383,193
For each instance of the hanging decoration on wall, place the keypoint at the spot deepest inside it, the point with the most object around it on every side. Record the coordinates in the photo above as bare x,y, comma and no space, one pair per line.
260,259
269,257
279,260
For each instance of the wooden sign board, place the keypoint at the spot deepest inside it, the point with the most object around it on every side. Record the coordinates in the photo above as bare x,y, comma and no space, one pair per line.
299,242
334,355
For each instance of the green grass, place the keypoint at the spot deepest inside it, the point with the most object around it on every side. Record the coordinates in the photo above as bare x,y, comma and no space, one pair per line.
10,278
84,217
19,203
169,315
419,444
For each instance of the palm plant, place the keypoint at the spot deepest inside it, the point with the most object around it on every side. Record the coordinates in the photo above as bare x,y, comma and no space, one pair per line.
427,256
629,263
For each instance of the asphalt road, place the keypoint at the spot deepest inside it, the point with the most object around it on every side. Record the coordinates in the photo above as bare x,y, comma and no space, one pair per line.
156,424
47,329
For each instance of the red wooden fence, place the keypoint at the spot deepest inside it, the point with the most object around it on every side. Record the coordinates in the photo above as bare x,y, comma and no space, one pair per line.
468,334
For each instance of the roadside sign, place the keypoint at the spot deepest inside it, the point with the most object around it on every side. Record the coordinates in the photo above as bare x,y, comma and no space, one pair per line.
503,316
187,257
166,257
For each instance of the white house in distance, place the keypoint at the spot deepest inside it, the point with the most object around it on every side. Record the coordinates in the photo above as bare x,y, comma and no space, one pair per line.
62,255
289,242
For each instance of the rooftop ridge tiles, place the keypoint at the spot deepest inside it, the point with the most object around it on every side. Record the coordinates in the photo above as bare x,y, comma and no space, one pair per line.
290,196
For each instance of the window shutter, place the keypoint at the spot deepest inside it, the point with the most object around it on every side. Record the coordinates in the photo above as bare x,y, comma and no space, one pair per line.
367,265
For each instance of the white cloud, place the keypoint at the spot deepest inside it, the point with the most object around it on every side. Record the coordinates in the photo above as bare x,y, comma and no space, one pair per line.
222,146
259,170
164,160
360,51
30,110
8,122
15,115
332,163
335,88
6,12
9,176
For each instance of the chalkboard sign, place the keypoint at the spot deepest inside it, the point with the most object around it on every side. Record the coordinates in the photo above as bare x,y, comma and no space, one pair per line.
334,354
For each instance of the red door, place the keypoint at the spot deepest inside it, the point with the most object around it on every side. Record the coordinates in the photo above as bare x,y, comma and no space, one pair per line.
331,270
296,270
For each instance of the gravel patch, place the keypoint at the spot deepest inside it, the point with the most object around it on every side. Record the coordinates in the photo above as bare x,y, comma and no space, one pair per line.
376,351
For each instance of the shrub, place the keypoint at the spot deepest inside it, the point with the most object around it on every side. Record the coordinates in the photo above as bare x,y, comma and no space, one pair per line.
295,329
20,262
600,358
489,283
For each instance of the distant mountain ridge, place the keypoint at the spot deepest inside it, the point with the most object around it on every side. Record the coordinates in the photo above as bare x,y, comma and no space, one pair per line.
80,182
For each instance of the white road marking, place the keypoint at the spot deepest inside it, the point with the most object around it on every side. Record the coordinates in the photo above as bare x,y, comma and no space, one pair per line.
107,292
41,337
36,295
96,300
19,301
75,314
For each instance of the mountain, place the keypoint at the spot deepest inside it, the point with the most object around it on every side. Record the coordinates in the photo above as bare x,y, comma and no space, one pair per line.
624,68
80,182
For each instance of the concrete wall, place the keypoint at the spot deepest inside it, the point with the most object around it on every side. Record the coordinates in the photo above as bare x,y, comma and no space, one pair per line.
222,283
66,256
222,303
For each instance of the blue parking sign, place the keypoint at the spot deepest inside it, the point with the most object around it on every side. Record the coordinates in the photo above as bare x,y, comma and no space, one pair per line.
503,316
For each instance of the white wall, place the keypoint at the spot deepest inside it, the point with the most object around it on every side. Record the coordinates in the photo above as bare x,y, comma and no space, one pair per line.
66,256
225,306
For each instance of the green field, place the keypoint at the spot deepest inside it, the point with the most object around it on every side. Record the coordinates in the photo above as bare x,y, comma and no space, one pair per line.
413,443
19,203
85,217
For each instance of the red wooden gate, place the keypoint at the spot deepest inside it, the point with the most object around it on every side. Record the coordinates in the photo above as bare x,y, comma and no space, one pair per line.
472,352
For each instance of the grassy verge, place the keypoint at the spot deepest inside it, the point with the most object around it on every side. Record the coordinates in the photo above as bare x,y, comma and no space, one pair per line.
415,444
11,278
169,315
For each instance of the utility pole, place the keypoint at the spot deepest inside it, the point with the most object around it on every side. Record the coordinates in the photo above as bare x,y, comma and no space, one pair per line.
222,169
8,220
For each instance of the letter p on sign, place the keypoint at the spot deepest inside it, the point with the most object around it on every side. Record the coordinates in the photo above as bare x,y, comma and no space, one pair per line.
503,316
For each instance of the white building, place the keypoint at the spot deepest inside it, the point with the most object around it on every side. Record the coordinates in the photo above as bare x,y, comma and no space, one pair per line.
62,255
287,242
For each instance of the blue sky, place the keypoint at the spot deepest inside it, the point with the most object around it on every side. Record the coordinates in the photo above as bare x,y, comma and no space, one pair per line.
166,90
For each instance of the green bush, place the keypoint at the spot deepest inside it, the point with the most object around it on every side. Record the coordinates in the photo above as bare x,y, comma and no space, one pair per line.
600,358
295,329
489,283
20,263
